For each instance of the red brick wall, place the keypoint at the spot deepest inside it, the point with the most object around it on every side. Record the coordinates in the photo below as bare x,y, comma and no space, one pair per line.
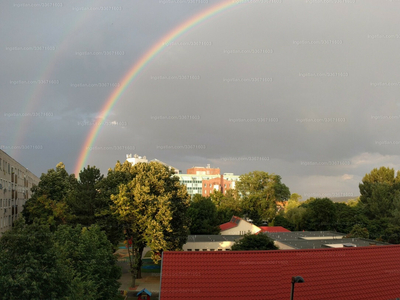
206,190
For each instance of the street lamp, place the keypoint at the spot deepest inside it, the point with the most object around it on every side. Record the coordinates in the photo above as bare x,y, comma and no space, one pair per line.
295,279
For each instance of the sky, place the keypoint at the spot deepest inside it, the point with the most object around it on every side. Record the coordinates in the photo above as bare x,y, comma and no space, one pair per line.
308,90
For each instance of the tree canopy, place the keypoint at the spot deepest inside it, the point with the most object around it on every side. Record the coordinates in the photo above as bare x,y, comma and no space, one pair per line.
254,242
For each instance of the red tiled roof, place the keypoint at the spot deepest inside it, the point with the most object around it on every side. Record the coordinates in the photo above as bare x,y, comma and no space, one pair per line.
345,273
232,223
228,225
273,229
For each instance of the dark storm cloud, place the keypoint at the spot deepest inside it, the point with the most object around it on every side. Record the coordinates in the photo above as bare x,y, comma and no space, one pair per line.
307,90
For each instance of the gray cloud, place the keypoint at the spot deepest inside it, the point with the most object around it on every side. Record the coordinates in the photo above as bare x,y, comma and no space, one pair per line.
307,90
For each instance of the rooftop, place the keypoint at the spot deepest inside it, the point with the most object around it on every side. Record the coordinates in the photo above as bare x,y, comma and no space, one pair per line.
318,239
345,273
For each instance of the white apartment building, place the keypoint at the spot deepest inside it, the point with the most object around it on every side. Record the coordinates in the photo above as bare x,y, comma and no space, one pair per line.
16,182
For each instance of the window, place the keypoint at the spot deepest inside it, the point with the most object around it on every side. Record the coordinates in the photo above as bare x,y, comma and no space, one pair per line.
224,185
204,249
205,185
212,249
219,249
189,249
210,184
196,249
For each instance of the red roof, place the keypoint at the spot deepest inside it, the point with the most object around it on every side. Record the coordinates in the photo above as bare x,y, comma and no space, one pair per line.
273,229
228,225
231,224
345,273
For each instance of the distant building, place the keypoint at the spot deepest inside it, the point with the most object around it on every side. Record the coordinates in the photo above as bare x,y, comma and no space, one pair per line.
238,226
169,167
16,182
136,159
205,180
204,170
194,183
139,159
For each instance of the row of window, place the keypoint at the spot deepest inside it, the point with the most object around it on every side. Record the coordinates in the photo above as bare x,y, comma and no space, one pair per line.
5,222
205,185
10,202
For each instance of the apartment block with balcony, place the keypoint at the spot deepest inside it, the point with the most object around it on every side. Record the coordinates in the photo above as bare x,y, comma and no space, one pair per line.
16,182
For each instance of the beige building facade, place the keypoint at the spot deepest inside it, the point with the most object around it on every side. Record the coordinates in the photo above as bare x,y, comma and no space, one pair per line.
16,182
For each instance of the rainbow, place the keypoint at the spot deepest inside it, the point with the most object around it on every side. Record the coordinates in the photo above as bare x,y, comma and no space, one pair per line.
32,101
138,66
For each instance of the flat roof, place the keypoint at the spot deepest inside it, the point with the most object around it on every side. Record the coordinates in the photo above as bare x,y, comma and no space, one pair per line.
318,239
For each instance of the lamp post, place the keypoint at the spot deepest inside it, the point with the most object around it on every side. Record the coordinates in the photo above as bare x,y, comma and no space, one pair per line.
295,279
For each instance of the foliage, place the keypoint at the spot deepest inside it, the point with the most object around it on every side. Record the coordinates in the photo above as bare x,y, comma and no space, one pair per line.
203,215
70,263
227,206
53,188
320,215
260,191
259,241
296,216
280,220
153,208
293,202
89,255
358,232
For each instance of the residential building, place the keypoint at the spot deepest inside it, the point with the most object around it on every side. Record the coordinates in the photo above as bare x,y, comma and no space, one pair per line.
238,226
16,182
347,273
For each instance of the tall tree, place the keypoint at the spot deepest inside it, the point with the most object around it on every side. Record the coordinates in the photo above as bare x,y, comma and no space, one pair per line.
203,215
85,202
227,205
153,208
68,263
260,191
49,195
378,190
320,215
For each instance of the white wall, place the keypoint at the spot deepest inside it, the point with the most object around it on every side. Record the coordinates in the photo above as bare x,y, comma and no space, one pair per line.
242,228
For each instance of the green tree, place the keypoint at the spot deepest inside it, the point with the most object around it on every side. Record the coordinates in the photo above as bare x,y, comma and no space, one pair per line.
203,215
346,217
296,216
49,197
294,201
320,215
153,208
260,191
85,202
358,232
89,256
259,241
378,190
29,265
229,206
69,263
281,220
